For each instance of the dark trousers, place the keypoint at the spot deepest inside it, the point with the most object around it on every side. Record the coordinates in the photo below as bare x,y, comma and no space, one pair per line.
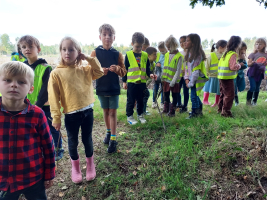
185,91
155,92
227,90
34,192
254,85
135,92
167,97
55,134
145,99
196,102
73,122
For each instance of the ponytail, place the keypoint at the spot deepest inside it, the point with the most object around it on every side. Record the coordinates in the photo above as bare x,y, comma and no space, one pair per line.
213,47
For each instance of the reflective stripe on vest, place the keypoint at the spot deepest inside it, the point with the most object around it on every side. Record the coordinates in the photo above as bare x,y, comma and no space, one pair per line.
136,73
201,80
224,71
214,63
170,69
38,82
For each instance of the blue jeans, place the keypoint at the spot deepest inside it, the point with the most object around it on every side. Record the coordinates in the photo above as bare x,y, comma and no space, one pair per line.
73,122
254,86
196,102
240,84
34,192
55,134
185,91
155,92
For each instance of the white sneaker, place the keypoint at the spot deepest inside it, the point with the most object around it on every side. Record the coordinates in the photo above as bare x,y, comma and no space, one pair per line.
161,106
131,120
154,105
147,113
141,119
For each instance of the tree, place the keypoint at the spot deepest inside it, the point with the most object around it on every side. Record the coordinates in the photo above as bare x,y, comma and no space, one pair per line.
205,44
211,42
211,3
154,44
6,46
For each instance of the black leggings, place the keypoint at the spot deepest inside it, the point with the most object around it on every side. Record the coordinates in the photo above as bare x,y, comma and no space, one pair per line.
167,97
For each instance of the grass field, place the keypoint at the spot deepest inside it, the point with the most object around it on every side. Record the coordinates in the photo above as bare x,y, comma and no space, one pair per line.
202,158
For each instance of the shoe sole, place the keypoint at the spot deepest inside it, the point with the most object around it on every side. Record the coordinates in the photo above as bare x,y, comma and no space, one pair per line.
131,123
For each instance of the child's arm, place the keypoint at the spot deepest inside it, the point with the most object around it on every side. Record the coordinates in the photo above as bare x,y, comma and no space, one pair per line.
207,64
124,78
243,64
47,149
120,68
178,72
43,94
233,65
96,68
54,98
250,62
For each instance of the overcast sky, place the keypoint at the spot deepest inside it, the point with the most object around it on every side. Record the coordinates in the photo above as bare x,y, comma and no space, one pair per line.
51,20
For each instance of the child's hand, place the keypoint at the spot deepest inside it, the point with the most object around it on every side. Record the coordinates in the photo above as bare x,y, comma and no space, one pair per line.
186,81
48,184
242,64
113,68
155,77
82,56
158,65
124,85
152,76
105,70
56,126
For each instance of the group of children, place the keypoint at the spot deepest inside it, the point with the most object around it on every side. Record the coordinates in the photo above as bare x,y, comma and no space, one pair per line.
27,147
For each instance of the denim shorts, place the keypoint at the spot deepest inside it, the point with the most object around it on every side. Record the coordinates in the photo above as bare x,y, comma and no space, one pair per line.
109,102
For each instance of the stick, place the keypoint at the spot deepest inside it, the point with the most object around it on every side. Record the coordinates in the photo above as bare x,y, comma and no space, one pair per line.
261,187
156,99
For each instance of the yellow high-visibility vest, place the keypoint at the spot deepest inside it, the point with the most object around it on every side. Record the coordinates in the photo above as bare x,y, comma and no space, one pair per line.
224,71
170,69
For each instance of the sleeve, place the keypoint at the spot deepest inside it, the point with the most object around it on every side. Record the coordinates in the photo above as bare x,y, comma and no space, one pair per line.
127,65
245,66
121,70
178,72
93,54
186,72
233,65
251,56
194,77
54,98
47,147
96,69
43,94
148,72
208,61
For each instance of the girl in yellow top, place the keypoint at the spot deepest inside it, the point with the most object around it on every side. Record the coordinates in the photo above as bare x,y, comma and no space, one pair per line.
70,86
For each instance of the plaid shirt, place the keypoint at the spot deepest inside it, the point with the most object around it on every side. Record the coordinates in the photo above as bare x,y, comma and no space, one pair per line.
26,148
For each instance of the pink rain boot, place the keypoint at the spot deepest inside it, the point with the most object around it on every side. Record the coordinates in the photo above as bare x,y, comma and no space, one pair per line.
76,174
90,169
206,98
217,98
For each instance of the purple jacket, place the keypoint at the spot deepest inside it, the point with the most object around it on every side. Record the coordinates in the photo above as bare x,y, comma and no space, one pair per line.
256,71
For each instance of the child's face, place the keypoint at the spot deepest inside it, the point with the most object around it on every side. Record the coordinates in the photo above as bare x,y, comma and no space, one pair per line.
152,57
188,44
144,47
15,87
68,52
221,49
137,47
182,43
29,51
243,50
163,50
107,38
259,46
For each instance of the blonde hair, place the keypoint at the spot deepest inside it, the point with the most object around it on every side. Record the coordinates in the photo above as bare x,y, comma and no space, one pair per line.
15,68
161,45
172,43
260,40
30,40
76,46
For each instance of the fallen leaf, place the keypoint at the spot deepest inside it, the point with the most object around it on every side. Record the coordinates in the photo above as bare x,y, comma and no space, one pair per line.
135,183
107,175
223,133
144,165
134,173
131,191
102,183
61,194
245,177
64,187
84,167
213,187
249,194
249,128
127,151
83,198
159,177
121,133
118,151
209,111
61,180
218,136
163,188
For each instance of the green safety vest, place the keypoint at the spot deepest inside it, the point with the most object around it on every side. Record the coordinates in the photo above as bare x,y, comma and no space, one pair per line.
152,66
200,81
214,63
170,69
266,71
158,56
17,58
224,71
136,73
38,81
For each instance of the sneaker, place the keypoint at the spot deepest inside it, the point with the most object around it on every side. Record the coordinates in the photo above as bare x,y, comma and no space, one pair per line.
147,113
161,106
59,155
154,105
107,138
112,147
141,119
183,110
131,120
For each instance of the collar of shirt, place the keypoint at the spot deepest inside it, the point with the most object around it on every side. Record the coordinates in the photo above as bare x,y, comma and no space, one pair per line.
29,107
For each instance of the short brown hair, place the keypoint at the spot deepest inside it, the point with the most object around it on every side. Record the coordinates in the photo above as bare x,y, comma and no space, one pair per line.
151,50
138,37
161,45
30,40
106,27
146,42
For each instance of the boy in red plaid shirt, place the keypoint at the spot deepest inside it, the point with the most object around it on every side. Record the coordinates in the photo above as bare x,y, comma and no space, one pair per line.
27,158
